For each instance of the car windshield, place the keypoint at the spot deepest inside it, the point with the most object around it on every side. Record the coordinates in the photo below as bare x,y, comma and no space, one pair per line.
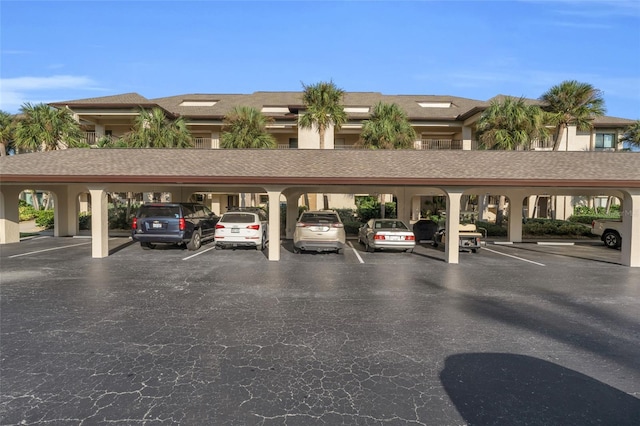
238,218
318,218
159,211
390,224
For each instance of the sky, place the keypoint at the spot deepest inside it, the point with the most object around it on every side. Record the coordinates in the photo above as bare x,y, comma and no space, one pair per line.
53,51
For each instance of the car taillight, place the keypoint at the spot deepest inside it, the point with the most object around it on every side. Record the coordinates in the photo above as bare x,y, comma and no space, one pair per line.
134,224
254,227
182,224
410,237
218,226
337,225
301,225
378,237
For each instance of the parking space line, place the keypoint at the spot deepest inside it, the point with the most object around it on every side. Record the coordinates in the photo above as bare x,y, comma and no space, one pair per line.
515,257
49,249
356,252
199,253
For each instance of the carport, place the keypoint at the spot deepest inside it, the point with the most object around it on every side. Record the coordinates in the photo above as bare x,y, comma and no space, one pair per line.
291,173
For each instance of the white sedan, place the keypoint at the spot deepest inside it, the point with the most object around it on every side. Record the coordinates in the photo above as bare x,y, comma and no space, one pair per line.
386,234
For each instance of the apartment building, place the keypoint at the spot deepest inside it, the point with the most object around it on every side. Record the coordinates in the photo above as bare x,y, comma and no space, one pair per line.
441,123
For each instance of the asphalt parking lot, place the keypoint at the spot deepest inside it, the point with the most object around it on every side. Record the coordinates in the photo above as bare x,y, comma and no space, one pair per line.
515,334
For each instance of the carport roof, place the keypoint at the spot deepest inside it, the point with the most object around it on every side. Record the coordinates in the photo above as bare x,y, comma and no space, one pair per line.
326,167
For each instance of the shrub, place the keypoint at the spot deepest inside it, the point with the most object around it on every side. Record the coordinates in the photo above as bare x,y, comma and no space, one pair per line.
44,218
493,230
540,227
26,211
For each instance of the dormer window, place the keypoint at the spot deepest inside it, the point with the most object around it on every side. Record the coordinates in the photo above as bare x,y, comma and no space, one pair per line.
435,104
187,103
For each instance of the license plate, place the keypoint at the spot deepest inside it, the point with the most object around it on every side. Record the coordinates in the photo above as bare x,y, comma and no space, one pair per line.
394,238
156,225
319,228
235,230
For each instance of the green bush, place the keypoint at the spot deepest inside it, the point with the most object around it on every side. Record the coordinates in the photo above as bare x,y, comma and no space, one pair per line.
551,227
493,230
26,211
44,218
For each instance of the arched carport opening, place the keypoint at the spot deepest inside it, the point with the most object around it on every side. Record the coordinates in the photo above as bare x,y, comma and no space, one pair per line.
518,175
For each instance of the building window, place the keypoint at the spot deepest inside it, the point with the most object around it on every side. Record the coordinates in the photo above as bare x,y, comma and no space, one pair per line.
293,143
605,141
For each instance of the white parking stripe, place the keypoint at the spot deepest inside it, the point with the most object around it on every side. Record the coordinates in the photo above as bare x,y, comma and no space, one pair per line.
356,252
199,253
515,257
49,249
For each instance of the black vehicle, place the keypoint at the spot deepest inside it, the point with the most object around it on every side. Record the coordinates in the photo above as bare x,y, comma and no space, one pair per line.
187,224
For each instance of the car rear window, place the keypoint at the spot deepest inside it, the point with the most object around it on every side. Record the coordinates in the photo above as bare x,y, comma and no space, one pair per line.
159,211
390,224
319,218
238,218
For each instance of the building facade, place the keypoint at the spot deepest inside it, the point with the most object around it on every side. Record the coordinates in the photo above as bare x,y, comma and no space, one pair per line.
440,123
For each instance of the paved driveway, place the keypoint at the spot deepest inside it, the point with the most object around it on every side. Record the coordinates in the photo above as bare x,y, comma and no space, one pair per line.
511,335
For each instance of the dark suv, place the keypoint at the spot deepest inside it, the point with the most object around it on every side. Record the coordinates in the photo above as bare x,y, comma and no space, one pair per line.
173,223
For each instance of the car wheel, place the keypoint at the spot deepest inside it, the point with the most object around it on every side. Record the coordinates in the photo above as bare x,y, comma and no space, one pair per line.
263,243
611,239
409,250
368,248
474,250
296,250
147,246
339,251
196,241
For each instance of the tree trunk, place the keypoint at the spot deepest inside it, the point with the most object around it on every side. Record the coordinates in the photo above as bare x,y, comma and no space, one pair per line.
556,143
321,131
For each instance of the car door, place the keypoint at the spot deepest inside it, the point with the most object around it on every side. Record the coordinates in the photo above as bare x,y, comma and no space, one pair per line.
208,220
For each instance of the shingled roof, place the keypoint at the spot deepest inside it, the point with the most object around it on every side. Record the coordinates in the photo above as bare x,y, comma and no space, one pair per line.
418,107
327,167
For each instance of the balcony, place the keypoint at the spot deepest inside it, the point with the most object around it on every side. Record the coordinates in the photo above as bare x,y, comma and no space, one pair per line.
439,144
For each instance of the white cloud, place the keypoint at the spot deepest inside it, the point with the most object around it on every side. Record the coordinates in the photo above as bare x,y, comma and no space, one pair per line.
16,91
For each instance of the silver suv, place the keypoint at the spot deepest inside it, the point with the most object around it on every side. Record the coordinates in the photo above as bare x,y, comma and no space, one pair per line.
320,230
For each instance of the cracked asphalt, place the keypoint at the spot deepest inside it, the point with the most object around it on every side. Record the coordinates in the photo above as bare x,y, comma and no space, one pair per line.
226,337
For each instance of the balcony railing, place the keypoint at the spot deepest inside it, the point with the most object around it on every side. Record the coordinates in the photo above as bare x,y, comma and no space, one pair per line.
437,144
424,144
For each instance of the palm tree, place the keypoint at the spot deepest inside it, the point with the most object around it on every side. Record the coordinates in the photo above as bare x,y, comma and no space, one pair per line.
572,103
152,129
245,127
6,132
43,128
388,128
323,102
631,135
511,124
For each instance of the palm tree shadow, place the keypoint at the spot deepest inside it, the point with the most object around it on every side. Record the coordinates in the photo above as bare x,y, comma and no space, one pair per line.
508,389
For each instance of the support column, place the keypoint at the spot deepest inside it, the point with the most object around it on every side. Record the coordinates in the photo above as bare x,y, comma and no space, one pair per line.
9,215
514,233
452,249
65,211
99,223
292,213
631,229
403,206
467,135
274,224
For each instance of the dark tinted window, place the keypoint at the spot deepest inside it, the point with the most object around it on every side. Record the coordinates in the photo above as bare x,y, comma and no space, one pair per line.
159,211
238,218
319,218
